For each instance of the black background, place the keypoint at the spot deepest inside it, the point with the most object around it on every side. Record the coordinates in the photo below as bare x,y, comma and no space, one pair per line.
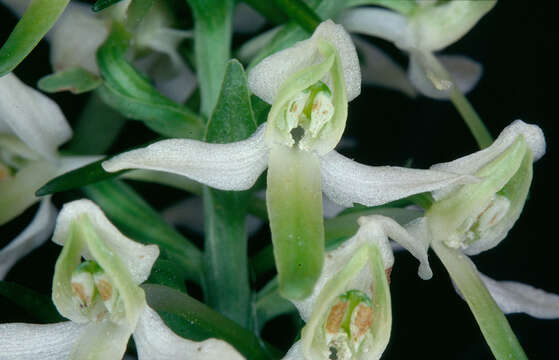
515,42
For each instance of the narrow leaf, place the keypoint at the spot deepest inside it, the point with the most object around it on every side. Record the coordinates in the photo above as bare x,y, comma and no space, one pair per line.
85,175
76,80
301,13
227,282
37,20
269,10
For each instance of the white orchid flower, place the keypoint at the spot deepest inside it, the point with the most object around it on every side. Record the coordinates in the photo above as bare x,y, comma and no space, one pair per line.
32,126
349,314
102,299
430,26
309,86
476,217
79,32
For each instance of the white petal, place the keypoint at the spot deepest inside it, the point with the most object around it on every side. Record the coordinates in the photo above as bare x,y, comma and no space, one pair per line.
514,297
32,116
101,340
137,258
154,340
347,182
266,78
470,164
34,235
436,27
415,245
382,23
75,37
31,341
464,71
246,19
234,166
379,70
295,352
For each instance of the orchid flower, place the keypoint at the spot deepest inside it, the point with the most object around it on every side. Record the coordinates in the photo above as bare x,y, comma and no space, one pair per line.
473,218
427,27
308,86
102,299
79,32
32,126
348,314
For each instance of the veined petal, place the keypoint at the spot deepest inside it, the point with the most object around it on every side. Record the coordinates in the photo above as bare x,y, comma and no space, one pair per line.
294,202
31,341
75,37
379,70
154,340
101,341
266,78
137,258
32,116
470,164
514,297
85,232
464,72
234,166
382,23
35,234
347,182
436,27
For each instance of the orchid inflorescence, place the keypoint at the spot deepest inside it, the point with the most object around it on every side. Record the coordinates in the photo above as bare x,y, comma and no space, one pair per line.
125,271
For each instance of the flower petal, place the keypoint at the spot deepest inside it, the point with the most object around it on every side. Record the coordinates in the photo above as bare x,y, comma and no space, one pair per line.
32,116
101,340
266,78
380,70
436,27
31,341
234,166
154,340
514,297
464,72
137,258
75,37
34,235
382,23
347,182
470,164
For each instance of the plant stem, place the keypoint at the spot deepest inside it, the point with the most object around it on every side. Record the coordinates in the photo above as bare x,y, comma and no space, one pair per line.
491,320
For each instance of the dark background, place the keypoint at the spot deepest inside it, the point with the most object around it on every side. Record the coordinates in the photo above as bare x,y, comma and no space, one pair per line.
515,43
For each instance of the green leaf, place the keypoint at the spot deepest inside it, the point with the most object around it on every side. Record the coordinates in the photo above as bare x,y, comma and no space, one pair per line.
195,320
300,12
37,305
85,175
212,44
96,129
167,273
130,93
37,20
269,10
103,4
138,220
76,80
405,7
227,286
260,109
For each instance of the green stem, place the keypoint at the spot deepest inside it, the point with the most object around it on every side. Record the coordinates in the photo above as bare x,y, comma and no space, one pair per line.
491,320
439,75
269,304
